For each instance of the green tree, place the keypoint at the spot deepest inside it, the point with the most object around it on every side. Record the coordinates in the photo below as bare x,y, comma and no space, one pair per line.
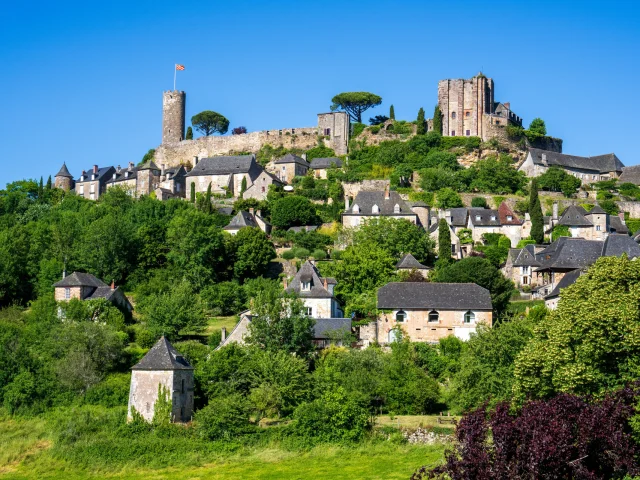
208,123
437,120
192,192
250,251
535,212
150,155
555,179
243,186
444,241
448,198
48,186
225,417
496,175
480,271
392,113
537,128
291,211
589,344
41,191
355,103
189,135
479,202
422,124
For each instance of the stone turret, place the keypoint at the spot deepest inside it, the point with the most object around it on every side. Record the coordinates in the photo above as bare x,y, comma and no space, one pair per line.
64,179
162,368
173,116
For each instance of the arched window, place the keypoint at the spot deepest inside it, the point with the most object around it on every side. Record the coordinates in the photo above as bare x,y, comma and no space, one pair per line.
393,335
453,115
356,208
401,316
469,316
434,316
396,208
375,209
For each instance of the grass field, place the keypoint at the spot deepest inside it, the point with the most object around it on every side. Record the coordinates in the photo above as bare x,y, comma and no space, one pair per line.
217,323
28,453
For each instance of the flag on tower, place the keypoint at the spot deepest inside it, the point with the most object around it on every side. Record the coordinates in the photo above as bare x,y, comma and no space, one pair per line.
179,67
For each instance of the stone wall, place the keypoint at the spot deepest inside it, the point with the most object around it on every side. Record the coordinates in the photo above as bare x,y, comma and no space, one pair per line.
143,392
632,208
352,189
74,292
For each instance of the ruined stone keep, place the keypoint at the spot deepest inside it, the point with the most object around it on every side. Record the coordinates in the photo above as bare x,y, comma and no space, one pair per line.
162,366
173,116
468,108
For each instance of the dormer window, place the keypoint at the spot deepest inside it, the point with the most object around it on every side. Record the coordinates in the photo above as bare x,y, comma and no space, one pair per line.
509,218
306,286
396,208
375,209
478,218
401,316
93,176
493,218
356,208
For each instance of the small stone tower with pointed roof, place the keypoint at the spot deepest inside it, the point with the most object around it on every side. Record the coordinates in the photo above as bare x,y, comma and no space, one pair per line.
148,178
64,179
166,367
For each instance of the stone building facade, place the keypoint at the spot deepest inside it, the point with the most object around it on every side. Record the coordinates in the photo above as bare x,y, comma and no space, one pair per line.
374,204
260,187
84,286
93,184
162,368
173,116
224,173
289,167
468,108
335,127
64,179
315,291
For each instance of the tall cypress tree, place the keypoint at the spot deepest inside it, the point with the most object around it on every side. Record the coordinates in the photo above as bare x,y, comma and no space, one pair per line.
189,135
208,207
535,212
444,241
40,190
422,126
392,113
437,120
192,195
48,186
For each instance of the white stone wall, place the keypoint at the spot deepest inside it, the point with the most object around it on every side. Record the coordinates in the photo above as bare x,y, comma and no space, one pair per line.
144,391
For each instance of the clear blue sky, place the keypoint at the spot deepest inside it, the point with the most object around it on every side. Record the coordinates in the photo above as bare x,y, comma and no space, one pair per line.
82,82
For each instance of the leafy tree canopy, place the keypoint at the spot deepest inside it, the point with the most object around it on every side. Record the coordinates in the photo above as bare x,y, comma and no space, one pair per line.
354,103
209,122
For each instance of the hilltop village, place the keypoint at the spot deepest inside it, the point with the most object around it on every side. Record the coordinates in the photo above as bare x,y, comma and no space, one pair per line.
310,274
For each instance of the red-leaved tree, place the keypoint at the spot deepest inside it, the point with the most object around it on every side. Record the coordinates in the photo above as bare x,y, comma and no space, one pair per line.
239,131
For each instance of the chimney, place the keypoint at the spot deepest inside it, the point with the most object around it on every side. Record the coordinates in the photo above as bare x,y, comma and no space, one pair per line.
130,165
555,212
508,105
259,213
285,283
113,285
118,169
544,160
223,334
346,203
387,194
251,211
195,161
447,216
162,167
303,156
64,274
621,215
95,169
326,285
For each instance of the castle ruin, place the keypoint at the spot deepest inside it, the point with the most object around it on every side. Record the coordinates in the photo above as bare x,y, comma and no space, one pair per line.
173,116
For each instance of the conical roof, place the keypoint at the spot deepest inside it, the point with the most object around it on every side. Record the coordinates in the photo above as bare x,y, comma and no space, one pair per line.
64,172
410,262
148,165
597,210
162,356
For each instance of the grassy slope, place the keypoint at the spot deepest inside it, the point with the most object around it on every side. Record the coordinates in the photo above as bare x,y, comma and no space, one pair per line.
26,454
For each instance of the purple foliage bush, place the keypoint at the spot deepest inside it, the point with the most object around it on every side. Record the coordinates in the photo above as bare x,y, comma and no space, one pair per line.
566,437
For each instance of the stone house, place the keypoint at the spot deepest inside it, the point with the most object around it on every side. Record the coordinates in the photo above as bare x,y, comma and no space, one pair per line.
260,187
458,249
172,183
595,224
248,219
85,286
409,263
93,184
587,169
289,167
427,312
520,266
320,166
162,366
335,127
374,204
64,179
137,181
225,174
316,292
629,175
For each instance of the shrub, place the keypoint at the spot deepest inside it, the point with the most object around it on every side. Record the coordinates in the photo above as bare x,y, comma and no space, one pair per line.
479,202
319,254
288,254
357,129
224,298
301,253
113,391
374,129
334,417
224,418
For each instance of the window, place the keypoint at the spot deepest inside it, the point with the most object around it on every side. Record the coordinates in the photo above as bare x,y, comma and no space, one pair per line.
453,133
525,270
509,218
92,188
306,286
308,311
356,208
401,316
468,133
525,280
469,316
478,218
327,131
375,209
182,389
493,218
177,187
263,190
67,293
81,191
597,228
467,114
497,122
453,115
283,168
396,208
434,316
92,196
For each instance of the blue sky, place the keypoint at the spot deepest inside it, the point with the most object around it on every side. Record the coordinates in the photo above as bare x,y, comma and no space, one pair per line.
82,82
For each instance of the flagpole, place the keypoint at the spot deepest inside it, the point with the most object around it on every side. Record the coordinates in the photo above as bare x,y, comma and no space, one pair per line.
175,69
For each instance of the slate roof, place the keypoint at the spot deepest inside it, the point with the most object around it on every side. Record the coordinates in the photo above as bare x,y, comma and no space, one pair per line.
484,217
223,165
290,158
162,356
102,172
64,171
324,326
523,257
630,175
441,296
600,163
243,219
575,216
308,272
459,216
305,228
616,244
122,176
597,210
148,165
409,262
568,253
366,200
79,279
568,279
320,163
504,211
615,223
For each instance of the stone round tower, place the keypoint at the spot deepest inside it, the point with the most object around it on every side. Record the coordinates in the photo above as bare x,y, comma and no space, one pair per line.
64,179
173,108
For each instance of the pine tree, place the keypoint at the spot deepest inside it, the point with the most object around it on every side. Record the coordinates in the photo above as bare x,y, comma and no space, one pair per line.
48,187
437,120
444,241
192,196
535,212
208,207
40,190
422,126
392,113
189,134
